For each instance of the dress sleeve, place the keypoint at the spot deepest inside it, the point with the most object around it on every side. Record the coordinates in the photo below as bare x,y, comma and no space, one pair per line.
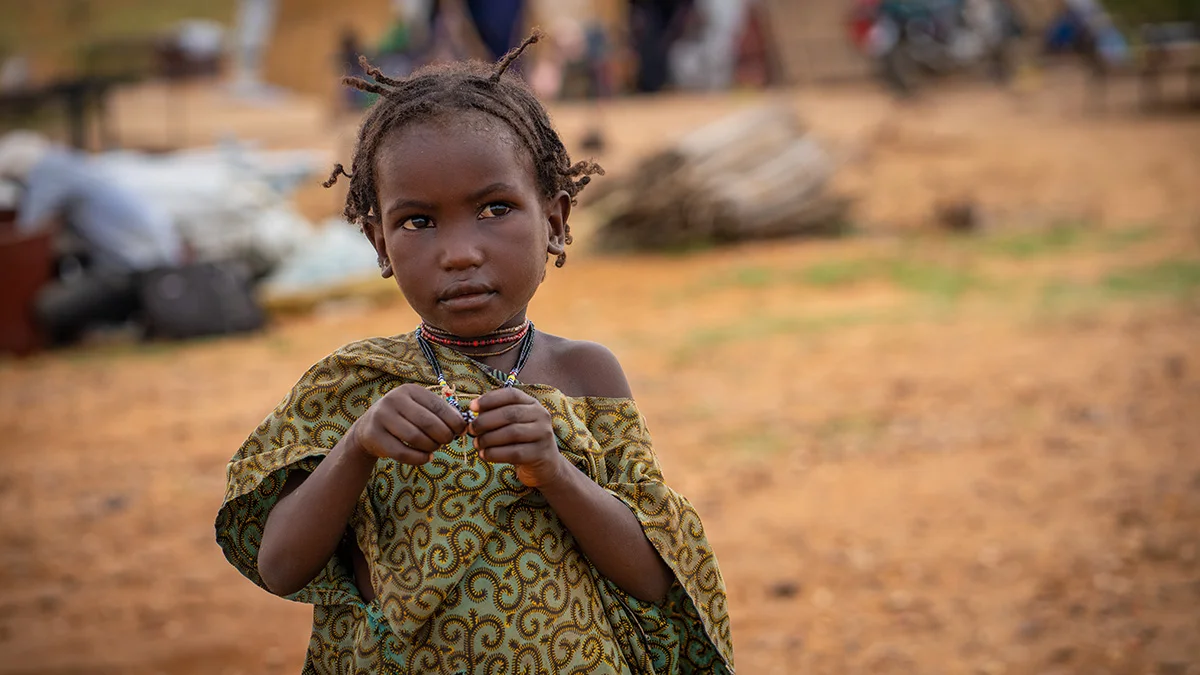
296,436
693,622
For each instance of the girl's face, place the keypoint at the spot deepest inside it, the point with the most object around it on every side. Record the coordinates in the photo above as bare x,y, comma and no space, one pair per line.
463,223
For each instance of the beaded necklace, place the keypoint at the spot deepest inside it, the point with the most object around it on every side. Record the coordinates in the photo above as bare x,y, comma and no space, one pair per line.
503,336
448,392
497,352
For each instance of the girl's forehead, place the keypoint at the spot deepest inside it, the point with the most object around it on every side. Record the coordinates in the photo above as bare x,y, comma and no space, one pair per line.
429,139
457,126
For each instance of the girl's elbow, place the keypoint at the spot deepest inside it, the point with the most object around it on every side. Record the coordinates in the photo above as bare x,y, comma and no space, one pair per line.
655,590
276,576
651,596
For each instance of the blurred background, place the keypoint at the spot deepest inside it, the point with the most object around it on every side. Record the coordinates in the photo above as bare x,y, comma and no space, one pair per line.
908,291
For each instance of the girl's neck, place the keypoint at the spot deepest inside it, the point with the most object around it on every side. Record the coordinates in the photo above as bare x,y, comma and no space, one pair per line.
509,348
489,346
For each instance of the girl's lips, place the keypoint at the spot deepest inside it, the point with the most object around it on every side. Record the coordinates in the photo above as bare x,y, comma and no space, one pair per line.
468,301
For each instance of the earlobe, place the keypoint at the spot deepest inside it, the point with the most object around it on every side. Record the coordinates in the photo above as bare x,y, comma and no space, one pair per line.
374,234
557,213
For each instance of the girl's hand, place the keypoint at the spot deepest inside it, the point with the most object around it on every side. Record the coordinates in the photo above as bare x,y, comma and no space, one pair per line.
408,424
514,428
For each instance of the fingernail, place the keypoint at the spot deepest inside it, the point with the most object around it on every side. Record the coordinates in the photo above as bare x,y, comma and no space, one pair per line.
474,405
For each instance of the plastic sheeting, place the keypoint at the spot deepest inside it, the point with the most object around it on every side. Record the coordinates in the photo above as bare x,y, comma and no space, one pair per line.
233,202
226,202
336,254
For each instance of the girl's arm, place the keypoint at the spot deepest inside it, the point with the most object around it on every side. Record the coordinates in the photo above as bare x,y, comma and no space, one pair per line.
304,528
514,428
609,534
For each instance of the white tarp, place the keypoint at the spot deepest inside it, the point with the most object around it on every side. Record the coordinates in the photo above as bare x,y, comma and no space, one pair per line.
230,201
337,253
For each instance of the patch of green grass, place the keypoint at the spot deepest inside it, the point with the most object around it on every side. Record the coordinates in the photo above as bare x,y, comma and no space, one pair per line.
914,275
682,251
911,274
122,349
1035,243
847,435
758,441
937,281
772,326
702,340
915,269
835,273
1057,296
1168,277
848,425
823,275
753,277
1172,278
1118,240
279,344
1063,238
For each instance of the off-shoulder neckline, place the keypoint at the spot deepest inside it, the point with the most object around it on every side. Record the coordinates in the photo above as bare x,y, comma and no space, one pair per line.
525,386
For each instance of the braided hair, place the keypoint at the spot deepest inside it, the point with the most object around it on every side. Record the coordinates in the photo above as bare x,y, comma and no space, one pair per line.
455,87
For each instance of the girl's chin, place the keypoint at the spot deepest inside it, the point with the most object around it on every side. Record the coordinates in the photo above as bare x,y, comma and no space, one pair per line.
466,326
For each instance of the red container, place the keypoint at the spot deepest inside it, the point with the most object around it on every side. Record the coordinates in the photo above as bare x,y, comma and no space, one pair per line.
26,266
860,20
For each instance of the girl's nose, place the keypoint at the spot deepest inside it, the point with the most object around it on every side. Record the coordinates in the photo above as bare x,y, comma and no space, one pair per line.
460,247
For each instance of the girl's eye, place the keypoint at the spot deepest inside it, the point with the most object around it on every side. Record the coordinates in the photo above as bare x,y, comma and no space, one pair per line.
495,211
416,223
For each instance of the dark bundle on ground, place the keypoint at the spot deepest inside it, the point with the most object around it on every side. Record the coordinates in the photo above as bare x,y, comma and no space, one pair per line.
754,175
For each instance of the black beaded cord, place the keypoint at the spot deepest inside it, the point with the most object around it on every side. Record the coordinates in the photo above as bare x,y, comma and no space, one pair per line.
448,392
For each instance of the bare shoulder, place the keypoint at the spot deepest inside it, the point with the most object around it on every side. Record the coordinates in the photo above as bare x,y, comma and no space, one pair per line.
585,368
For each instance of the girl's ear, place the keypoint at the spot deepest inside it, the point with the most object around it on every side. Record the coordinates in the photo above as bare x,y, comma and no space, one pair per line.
374,232
558,210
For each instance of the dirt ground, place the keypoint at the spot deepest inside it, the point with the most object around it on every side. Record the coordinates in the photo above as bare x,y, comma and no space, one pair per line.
913,453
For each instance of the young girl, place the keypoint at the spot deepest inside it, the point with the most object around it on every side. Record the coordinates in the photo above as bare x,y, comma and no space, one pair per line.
475,496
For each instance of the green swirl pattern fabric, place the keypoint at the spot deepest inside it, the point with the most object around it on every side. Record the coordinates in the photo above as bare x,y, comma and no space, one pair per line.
473,571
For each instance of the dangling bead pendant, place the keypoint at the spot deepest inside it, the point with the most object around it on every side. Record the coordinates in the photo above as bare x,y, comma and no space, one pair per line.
448,391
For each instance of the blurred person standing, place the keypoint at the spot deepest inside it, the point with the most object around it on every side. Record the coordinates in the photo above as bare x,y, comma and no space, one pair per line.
708,58
254,24
498,23
121,236
654,26
350,48
1085,27
459,29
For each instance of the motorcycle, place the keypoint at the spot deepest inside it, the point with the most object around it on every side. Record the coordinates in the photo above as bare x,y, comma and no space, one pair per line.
910,40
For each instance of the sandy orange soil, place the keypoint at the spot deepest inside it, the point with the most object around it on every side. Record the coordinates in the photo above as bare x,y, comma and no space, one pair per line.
913,454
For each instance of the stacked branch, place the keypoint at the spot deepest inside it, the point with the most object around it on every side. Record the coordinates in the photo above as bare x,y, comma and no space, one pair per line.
753,175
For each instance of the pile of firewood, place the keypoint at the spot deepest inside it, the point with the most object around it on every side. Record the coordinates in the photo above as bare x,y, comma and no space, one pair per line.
753,175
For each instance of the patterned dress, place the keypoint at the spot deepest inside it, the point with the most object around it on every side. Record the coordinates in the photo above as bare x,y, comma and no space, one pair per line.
473,572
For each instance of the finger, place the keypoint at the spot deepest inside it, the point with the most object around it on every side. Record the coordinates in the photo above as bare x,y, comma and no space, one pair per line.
512,434
408,433
519,454
430,422
390,447
437,405
498,398
495,418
